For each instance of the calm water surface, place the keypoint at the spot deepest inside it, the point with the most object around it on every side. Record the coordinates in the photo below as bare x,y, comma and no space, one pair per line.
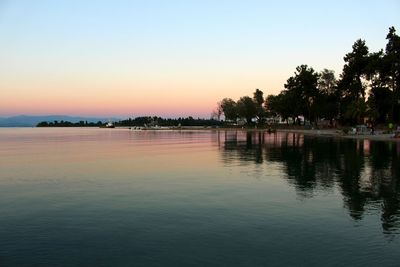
114,197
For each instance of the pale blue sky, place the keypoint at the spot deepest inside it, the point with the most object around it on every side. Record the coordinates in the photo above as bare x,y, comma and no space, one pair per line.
197,51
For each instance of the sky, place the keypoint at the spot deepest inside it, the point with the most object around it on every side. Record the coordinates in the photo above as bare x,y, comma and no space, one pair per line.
170,58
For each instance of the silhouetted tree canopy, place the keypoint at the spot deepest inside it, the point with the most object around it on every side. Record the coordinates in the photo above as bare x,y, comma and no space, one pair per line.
138,121
369,86
229,109
246,108
303,87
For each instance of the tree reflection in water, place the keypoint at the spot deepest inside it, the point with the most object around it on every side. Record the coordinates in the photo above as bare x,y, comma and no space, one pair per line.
365,172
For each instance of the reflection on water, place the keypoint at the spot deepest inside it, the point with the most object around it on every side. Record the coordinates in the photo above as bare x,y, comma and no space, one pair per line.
366,172
114,197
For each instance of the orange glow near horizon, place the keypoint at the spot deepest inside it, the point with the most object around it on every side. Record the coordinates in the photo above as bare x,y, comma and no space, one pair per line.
135,58
123,96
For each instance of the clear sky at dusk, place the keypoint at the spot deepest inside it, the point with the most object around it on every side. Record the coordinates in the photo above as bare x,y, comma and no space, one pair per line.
170,58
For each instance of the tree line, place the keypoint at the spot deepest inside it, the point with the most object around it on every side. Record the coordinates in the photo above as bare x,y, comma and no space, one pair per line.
138,121
155,120
368,87
63,123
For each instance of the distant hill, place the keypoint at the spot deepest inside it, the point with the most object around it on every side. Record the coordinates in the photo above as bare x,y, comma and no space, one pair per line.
31,121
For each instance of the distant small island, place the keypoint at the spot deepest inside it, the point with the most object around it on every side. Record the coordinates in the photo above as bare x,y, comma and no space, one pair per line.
63,123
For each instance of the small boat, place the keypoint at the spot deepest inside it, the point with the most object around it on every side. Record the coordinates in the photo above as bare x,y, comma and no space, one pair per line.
110,125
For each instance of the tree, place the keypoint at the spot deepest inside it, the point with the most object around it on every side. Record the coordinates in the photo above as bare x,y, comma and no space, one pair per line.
246,108
351,87
354,70
303,87
356,111
326,106
258,99
229,109
216,113
283,104
43,124
271,105
327,103
379,104
392,62
327,82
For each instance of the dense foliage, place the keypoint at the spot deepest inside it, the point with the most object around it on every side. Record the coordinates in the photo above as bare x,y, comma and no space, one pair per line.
368,88
69,124
138,121
152,121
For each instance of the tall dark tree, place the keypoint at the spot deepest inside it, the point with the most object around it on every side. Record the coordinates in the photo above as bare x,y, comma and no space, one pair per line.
327,82
271,105
258,99
379,104
354,70
303,87
246,108
327,102
392,62
229,109
356,111
351,86
283,104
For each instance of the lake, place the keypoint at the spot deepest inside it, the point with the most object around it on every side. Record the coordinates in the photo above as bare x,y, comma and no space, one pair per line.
115,197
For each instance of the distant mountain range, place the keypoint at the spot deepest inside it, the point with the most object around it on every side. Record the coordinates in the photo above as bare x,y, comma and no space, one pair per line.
31,121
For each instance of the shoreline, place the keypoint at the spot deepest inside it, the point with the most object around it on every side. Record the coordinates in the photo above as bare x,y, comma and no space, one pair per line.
336,133
340,134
